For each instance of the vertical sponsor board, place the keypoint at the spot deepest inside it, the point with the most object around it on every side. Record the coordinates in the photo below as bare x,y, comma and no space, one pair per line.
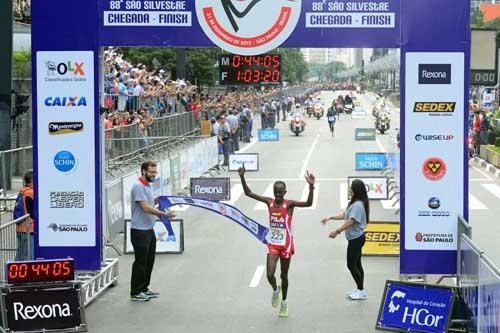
67,176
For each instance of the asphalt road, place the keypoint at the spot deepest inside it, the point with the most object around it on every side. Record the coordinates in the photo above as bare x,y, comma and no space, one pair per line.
218,284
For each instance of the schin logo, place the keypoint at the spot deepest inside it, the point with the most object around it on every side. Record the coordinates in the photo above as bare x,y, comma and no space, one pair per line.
230,24
434,74
46,311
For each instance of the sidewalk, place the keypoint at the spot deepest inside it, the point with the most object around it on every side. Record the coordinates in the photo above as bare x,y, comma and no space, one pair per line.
478,161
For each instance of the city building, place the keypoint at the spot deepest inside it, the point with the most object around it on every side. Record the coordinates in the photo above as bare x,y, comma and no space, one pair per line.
475,4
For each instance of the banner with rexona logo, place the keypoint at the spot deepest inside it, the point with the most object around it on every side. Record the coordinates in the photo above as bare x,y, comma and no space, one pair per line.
412,307
434,133
66,186
214,189
39,308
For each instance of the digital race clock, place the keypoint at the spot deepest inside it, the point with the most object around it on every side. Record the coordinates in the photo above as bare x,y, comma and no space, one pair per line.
21,272
262,69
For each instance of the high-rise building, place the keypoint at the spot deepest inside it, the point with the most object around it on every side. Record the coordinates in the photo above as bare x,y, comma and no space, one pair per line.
474,4
319,56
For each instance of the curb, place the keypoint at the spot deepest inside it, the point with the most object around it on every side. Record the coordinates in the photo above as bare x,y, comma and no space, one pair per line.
487,166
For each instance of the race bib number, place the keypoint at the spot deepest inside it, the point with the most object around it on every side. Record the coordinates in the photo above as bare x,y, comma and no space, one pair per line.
332,118
277,236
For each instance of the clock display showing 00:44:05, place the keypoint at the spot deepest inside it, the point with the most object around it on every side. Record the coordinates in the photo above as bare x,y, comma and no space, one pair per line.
40,271
258,76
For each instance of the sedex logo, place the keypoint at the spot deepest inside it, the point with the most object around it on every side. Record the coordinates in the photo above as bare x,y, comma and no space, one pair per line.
434,74
46,311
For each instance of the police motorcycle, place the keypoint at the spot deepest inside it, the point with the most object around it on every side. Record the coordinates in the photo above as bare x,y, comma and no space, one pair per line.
383,123
348,105
309,104
319,110
297,123
379,105
339,104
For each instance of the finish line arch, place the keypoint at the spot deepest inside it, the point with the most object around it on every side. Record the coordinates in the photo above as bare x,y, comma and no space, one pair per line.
434,39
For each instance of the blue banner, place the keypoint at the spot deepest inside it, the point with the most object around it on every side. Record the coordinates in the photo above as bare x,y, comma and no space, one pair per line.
371,161
270,134
415,307
365,134
257,230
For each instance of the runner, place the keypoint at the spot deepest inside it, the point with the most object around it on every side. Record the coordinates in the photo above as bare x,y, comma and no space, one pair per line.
280,238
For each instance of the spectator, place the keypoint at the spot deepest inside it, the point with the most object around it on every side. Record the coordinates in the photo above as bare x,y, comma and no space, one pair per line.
484,128
25,206
122,95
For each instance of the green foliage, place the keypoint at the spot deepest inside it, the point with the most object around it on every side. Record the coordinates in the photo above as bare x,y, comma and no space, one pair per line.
201,66
326,72
294,66
21,64
495,149
477,19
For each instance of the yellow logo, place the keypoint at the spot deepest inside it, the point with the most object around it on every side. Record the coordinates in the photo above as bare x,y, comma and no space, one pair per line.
434,107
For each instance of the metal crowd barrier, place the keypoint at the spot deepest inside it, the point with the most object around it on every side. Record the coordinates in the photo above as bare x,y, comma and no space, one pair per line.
154,104
9,243
14,163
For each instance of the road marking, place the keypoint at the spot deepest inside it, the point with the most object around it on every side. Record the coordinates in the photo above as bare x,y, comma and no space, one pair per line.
480,180
301,179
493,188
257,276
387,204
306,162
382,149
305,194
481,172
242,150
475,204
236,192
267,193
180,208
343,200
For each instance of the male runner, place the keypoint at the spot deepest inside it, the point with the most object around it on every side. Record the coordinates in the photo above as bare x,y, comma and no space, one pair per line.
280,237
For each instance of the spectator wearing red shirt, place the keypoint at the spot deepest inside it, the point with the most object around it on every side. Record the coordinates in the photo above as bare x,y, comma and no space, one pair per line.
194,107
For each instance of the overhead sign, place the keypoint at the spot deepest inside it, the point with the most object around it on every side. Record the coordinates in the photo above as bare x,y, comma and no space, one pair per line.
484,58
412,307
382,239
365,134
40,308
371,161
215,189
269,134
377,188
250,161
265,69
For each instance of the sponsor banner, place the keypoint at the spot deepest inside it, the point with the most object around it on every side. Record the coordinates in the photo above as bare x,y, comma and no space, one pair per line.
489,297
234,214
382,239
67,175
214,189
169,237
184,171
196,160
251,162
393,161
269,134
468,277
39,308
412,307
371,161
166,178
365,134
175,173
115,208
230,24
212,149
434,119
156,184
377,188
358,113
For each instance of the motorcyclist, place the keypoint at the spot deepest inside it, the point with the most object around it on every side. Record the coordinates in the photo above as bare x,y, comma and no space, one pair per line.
348,99
382,114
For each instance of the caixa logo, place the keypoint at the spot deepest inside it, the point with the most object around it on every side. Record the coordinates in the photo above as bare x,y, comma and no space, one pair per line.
65,161
412,312
65,101
46,311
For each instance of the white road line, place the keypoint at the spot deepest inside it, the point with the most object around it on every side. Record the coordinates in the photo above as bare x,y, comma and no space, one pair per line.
493,188
306,162
267,193
480,180
475,204
481,172
244,149
387,204
301,179
305,194
257,276
382,149
343,200
180,208
236,192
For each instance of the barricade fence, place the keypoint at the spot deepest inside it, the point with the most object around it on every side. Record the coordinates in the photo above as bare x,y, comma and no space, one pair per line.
479,282
15,245
14,163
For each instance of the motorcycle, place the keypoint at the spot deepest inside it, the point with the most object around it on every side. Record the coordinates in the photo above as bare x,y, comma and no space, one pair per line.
318,111
382,124
310,110
340,107
348,108
297,125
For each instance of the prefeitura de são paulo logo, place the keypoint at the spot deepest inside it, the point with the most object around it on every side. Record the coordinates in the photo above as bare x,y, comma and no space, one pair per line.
248,27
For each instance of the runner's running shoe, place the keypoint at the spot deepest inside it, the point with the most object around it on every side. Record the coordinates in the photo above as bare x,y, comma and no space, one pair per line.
276,298
283,310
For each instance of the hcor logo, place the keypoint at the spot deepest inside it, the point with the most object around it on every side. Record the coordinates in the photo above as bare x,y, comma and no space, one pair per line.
395,307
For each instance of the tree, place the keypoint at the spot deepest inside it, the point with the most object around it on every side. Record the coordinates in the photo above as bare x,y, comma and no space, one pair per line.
477,19
295,67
